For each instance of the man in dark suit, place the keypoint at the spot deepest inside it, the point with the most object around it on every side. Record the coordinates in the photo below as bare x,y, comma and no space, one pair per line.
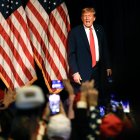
80,56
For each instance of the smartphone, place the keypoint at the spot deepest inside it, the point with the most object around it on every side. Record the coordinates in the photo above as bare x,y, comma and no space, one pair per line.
54,103
57,84
114,105
102,110
126,106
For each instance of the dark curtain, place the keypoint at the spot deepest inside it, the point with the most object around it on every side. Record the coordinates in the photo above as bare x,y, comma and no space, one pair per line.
120,19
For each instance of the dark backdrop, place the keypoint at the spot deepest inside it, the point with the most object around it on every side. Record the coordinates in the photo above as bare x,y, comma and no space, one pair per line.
120,19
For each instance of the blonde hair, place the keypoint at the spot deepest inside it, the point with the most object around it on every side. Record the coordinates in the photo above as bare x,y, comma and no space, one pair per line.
88,10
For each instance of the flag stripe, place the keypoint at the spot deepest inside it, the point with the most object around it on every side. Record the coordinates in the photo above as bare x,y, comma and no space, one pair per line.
58,47
34,13
17,64
42,62
14,50
7,80
13,70
35,30
25,41
44,52
61,31
48,32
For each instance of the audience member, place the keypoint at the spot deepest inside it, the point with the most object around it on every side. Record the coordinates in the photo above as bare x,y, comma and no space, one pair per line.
6,117
80,121
58,125
70,100
115,124
85,124
28,103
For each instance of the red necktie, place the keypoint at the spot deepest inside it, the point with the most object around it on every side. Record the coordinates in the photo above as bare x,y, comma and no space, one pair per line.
92,47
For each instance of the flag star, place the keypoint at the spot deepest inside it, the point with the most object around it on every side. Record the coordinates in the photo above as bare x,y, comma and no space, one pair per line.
54,3
2,5
48,7
16,3
7,12
45,1
11,1
7,6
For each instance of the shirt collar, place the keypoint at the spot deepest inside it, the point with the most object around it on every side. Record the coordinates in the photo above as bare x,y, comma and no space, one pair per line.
87,27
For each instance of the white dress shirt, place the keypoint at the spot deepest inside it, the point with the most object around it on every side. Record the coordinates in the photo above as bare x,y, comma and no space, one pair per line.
95,40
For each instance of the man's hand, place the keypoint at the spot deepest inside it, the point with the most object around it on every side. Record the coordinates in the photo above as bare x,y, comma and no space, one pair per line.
109,72
77,78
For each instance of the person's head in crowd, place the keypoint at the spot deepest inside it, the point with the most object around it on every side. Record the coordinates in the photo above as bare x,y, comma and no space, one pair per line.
23,128
59,127
116,123
111,126
58,124
6,117
30,100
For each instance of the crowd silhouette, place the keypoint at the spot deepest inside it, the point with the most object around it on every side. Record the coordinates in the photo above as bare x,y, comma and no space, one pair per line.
26,114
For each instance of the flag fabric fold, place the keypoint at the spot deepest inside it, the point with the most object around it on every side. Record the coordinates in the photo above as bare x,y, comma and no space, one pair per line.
16,55
49,24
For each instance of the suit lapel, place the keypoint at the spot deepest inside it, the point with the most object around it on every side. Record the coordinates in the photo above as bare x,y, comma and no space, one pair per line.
97,33
84,37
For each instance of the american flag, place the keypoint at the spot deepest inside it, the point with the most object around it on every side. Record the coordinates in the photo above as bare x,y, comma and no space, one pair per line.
49,25
16,54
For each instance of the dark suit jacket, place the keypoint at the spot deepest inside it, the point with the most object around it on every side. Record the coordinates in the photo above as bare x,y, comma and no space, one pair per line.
79,55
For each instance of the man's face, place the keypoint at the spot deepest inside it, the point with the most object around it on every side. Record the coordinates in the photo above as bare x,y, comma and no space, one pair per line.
88,19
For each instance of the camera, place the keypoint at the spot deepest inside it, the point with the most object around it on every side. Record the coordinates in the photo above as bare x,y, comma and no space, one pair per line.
57,84
54,103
